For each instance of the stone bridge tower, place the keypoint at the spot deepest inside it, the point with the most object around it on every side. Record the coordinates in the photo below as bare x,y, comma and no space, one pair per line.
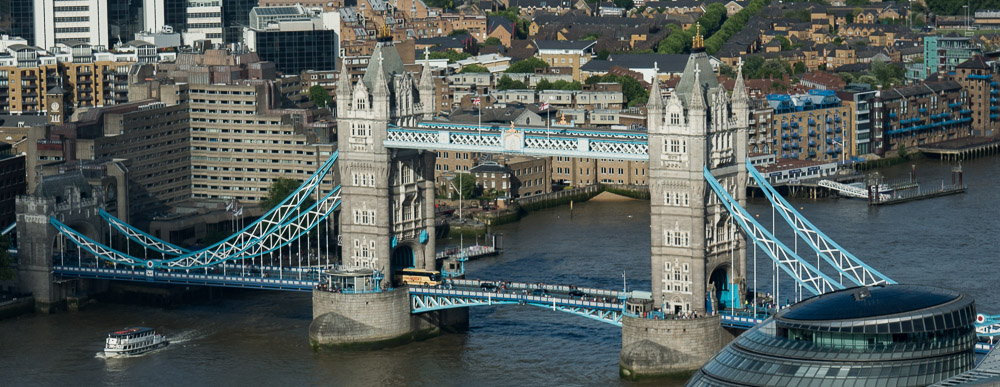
387,216
697,252
698,258
74,202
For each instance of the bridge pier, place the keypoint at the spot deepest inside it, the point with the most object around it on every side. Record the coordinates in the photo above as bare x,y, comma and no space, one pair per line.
672,348
376,320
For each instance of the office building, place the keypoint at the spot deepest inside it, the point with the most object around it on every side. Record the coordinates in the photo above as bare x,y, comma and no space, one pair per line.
981,82
942,54
293,38
58,21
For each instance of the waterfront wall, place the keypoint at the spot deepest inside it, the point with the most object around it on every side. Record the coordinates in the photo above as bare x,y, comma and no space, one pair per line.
376,320
669,348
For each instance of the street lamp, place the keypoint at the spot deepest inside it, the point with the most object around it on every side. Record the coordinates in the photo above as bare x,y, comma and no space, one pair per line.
966,6
452,182
843,152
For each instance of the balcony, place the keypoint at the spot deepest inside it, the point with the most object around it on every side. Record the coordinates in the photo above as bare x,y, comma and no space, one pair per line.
994,92
994,108
84,98
31,77
812,153
29,86
795,155
829,130
922,110
977,76
954,105
812,122
836,119
795,145
993,99
784,146
795,124
795,134
892,115
812,132
812,142
29,103
784,136
994,116
965,111
784,155
784,125
994,83
829,120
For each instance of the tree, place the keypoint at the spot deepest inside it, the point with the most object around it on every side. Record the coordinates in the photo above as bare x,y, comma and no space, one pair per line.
603,54
591,36
446,4
319,96
857,2
634,93
752,66
527,65
800,67
466,183
727,70
902,151
459,33
6,261
474,68
785,43
887,74
624,4
451,55
279,189
847,77
493,41
506,83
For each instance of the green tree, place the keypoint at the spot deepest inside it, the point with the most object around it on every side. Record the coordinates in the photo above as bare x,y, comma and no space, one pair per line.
279,189
492,41
634,93
902,152
591,36
527,65
506,83
319,96
887,74
6,261
461,32
785,43
857,2
603,54
847,77
446,4
800,67
474,68
451,55
466,183
624,4
544,84
727,70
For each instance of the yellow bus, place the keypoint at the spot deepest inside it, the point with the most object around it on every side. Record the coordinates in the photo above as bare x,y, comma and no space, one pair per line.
412,276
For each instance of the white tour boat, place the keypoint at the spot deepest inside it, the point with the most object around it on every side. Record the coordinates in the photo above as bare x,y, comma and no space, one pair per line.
133,341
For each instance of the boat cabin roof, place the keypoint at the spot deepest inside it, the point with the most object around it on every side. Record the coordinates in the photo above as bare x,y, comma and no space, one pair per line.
129,331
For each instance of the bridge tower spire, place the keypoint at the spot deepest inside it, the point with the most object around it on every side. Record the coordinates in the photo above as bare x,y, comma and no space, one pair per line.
426,88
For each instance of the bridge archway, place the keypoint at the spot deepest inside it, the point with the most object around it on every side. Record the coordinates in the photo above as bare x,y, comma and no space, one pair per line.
407,253
722,289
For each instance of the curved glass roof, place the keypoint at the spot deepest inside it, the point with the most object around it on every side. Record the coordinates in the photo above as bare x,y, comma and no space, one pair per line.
863,302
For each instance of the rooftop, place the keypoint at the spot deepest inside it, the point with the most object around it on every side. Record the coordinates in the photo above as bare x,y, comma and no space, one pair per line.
864,302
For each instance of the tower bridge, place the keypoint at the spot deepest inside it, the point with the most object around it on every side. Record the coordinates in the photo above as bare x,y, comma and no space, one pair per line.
701,235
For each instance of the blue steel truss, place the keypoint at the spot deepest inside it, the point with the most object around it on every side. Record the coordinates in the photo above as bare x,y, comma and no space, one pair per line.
181,278
840,259
428,299
263,225
804,273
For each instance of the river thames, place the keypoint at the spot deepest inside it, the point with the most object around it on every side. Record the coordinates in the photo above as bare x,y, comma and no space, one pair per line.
261,337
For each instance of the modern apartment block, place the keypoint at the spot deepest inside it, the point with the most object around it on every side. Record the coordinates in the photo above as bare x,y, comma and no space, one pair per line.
88,77
921,114
815,126
204,21
981,83
942,54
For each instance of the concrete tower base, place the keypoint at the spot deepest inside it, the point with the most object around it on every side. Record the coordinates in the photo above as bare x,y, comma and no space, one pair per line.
376,320
669,348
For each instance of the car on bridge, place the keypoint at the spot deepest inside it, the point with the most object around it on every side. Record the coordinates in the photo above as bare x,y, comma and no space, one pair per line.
489,287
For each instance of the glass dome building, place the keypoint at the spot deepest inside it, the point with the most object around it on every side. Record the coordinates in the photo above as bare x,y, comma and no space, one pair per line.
892,335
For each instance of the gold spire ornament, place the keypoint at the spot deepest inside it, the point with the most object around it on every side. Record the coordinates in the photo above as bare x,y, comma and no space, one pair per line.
698,42
383,32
